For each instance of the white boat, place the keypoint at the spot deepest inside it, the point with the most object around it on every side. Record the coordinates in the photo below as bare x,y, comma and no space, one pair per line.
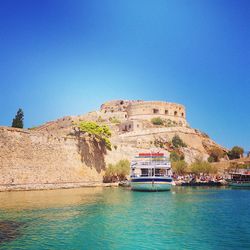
151,172
240,178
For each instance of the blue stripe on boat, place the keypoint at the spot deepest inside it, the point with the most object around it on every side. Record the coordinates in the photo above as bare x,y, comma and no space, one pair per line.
151,179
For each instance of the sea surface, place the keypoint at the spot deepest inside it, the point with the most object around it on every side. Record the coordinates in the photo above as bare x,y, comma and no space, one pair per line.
117,218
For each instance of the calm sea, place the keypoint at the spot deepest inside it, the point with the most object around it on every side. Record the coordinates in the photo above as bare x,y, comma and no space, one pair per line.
117,218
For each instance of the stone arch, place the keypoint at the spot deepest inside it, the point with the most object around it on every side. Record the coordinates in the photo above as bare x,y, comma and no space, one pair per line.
175,113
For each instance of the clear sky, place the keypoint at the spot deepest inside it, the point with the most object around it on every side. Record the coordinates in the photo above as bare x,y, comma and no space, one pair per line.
66,57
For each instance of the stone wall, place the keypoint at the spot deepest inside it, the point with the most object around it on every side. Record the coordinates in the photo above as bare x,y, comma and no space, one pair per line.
32,157
117,105
148,110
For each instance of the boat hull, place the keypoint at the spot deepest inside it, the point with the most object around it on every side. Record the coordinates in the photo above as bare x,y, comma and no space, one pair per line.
151,185
239,185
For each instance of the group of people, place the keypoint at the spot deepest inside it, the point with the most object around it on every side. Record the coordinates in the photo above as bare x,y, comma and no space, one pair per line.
201,178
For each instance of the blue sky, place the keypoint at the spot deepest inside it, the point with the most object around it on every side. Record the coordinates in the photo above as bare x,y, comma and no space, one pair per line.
66,57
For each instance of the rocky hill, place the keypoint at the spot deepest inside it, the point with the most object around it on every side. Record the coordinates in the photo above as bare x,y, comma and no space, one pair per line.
133,130
52,155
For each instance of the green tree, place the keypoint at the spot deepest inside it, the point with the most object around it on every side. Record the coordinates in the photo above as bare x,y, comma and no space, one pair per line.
17,122
179,167
98,132
235,153
157,121
178,142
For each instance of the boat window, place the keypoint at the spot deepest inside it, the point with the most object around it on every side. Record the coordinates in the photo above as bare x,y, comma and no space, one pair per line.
144,172
160,172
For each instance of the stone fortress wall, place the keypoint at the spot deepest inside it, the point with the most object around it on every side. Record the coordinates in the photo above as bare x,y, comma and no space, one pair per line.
133,113
31,157
150,109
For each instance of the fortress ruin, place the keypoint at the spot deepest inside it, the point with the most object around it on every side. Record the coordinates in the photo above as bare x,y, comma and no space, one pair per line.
135,114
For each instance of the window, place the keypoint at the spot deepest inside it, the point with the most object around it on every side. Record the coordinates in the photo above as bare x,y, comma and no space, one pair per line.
175,113
166,112
182,114
156,111
126,116
129,126
144,172
138,125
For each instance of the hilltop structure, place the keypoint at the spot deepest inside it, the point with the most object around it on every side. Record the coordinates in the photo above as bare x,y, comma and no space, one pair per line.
135,112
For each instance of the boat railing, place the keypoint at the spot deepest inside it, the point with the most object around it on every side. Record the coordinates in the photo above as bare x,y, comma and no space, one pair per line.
240,171
147,175
147,163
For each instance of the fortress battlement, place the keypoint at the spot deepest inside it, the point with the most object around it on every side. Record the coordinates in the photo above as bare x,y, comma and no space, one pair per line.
134,112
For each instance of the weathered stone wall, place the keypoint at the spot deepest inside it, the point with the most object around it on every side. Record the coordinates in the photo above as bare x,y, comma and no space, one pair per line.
149,110
28,157
117,105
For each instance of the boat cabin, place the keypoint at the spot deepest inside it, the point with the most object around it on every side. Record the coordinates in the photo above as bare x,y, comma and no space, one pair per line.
150,165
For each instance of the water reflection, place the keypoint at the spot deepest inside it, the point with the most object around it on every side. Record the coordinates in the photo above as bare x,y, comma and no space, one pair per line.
9,230
48,198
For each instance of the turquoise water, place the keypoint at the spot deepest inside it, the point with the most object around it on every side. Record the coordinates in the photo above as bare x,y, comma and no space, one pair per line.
116,218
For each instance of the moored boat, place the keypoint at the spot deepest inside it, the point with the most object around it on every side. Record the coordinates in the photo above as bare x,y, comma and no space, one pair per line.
240,178
151,172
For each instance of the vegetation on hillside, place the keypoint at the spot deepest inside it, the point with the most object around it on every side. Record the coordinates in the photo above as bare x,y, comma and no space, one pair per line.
117,172
163,122
216,154
98,132
157,121
179,167
114,120
235,153
176,156
178,142
200,166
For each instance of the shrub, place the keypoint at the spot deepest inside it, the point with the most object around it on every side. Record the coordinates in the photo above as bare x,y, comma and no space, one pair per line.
178,142
235,153
117,172
158,143
179,167
98,132
200,166
176,156
100,119
157,121
114,120
216,154
210,159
